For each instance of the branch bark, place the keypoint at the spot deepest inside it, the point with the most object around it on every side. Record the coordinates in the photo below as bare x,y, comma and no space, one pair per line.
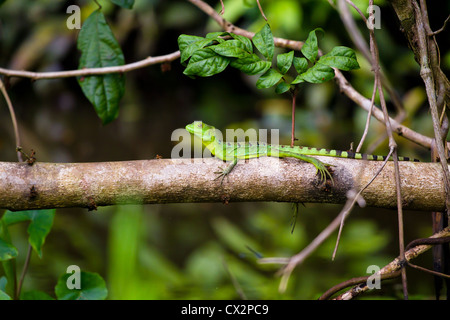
59,185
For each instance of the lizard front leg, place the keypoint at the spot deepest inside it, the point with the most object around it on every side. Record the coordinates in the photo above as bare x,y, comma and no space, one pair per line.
225,172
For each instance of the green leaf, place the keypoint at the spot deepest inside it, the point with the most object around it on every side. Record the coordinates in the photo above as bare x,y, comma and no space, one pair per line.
300,64
251,64
4,296
7,251
310,48
298,80
100,49
263,41
245,41
205,62
7,283
231,48
318,73
216,35
284,61
193,47
35,295
341,57
39,228
185,40
92,287
268,79
282,87
127,4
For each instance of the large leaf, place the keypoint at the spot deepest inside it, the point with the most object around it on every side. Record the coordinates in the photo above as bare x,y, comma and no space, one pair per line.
205,62
310,48
7,251
263,41
232,49
284,61
300,64
41,222
185,40
282,87
7,283
251,64
245,41
268,79
192,47
100,49
340,57
92,287
318,73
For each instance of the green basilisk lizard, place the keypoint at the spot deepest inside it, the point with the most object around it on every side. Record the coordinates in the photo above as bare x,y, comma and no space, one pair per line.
228,151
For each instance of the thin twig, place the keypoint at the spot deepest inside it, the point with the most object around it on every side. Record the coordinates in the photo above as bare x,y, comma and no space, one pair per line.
222,11
427,77
13,118
24,271
411,252
441,29
350,205
261,10
92,71
369,116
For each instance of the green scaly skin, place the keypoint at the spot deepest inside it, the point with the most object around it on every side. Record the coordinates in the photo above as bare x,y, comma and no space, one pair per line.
234,151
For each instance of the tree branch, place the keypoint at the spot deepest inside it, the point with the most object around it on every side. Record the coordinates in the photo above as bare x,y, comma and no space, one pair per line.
59,185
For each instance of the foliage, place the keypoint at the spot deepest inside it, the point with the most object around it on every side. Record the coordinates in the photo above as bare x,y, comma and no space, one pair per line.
212,54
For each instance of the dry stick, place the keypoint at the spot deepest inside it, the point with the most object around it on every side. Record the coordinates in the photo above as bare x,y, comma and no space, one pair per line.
441,29
13,118
261,10
413,250
427,77
92,71
369,116
383,276
222,11
360,43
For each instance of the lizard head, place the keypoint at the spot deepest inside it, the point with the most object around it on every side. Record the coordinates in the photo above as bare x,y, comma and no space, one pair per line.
201,130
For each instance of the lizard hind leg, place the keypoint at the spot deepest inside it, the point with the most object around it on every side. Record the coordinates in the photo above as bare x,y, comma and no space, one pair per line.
321,168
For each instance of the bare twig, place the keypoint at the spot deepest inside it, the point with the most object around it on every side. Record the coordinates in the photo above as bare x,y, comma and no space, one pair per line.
427,76
13,118
440,29
413,250
261,10
24,272
92,71
222,11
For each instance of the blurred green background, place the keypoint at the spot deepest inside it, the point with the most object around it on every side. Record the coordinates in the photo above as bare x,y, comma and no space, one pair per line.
204,251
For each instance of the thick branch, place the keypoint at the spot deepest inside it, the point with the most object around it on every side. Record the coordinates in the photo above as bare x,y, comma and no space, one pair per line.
57,185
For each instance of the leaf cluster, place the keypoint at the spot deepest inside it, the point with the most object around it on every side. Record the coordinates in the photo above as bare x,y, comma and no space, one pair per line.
210,55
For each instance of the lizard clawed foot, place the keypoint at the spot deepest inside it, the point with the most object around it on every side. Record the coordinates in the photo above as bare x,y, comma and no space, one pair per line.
221,174
324,173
